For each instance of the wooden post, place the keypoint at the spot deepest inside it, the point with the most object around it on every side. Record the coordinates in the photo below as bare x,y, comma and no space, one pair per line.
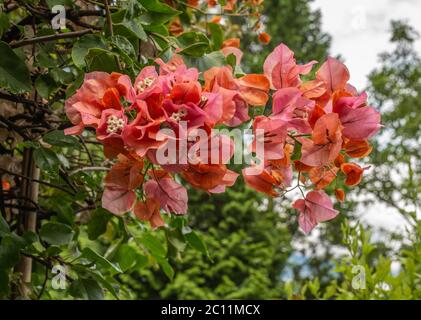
28,218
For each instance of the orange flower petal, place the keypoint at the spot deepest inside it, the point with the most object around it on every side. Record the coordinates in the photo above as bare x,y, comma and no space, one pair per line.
340,159
5,185
232,42
340,195
149,211
111,99
353,173
322,176
299,166
313,89
193,3
254,89
216,19
263,182
264,38
317,113
358,148
286,160
176,28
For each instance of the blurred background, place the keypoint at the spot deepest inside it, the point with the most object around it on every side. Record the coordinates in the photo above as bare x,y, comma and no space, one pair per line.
373,249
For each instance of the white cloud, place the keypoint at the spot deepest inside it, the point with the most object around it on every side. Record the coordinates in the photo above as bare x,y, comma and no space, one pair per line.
361,30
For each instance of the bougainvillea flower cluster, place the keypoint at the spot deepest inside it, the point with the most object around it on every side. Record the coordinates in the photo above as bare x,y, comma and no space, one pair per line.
313,128
322,124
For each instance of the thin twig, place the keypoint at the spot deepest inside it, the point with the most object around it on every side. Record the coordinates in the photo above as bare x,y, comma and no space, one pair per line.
44,284
80,23
3,211
36,180
87,150
10,125
228,14
23,100
10,8
89,169
66,179
53,37
110,27
88,208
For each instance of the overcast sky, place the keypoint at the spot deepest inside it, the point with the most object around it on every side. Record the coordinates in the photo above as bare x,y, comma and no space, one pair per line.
361,30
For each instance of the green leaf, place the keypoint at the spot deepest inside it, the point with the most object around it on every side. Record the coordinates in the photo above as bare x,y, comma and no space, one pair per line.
45,85
132,27
14,75
4,23
87,289
91,255
232,60
296,154
193,43
97,225
101,60
10,247
157,250
176,239
58,138
52,251
207,61
4,282
95,274
61,76
4,226
30,237
46,159
126,257
153,245
71,89
195,241
123,44
125,49
56,233
44,58
157,12
158,28
166,267
217,35
82,47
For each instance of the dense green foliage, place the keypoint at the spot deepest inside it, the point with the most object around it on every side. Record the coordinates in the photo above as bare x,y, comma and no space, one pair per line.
248,244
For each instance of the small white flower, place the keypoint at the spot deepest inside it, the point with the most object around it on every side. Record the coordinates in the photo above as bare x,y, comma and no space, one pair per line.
114,124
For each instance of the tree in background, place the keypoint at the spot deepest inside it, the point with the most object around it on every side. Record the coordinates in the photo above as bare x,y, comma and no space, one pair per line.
248,243
396,90
292,22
